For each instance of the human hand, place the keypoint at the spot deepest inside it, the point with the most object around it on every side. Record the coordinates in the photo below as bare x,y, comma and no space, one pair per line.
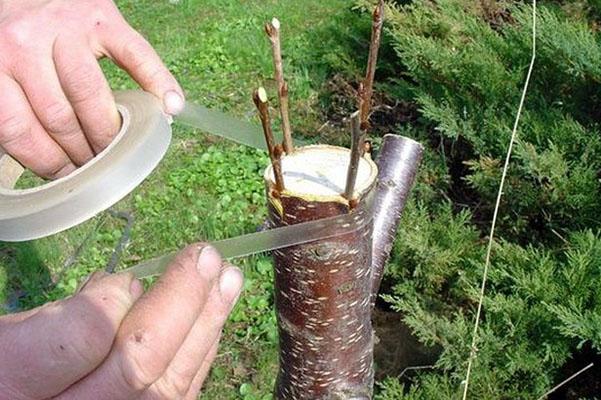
110,341
56,107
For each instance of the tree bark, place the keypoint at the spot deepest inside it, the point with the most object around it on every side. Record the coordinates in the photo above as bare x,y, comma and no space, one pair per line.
325,290
398,161
322,295
273,32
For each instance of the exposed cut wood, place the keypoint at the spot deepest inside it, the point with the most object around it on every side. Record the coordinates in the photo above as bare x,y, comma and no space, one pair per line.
321,171
357,150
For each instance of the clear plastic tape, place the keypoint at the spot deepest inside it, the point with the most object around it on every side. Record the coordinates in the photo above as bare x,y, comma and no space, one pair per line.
273,239
27,214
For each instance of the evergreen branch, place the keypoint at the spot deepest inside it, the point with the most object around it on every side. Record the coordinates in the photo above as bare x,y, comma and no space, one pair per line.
473,348
565,381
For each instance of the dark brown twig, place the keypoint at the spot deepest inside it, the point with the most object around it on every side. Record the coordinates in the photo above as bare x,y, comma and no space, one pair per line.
261,101
273,32
357,148
366,88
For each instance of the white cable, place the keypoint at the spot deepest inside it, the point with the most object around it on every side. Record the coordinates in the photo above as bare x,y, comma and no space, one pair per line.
496,211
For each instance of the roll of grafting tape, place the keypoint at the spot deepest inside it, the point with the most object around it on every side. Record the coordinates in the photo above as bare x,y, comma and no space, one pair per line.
141,143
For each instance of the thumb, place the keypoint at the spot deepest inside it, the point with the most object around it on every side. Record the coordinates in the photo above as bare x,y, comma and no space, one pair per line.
61,342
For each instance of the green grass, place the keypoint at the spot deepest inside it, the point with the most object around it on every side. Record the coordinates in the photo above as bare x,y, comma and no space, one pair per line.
204,188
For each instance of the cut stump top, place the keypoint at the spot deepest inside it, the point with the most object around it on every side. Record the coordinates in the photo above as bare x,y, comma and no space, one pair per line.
319,172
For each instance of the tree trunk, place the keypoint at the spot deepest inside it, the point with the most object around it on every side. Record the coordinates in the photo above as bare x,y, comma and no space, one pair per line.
324,291
323,288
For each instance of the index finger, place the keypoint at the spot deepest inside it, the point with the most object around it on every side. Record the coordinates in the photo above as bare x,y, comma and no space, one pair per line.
134,54
154,330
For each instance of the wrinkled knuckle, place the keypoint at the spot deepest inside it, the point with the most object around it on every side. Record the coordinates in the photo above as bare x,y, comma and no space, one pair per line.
174,385
136,47
139,368
17,32
59,118
154,72
149,71
13,127
84,83
139,51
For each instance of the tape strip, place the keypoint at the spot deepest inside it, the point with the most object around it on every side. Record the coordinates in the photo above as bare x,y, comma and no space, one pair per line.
221,124
137,149
272,239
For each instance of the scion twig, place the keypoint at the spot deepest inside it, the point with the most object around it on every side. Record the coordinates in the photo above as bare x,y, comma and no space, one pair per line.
261,101
357,148
366,88
273,32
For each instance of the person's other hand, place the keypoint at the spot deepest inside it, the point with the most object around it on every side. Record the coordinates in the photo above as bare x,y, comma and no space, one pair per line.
110,341
56,107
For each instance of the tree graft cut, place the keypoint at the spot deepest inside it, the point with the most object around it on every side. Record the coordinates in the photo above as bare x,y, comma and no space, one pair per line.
261,102
323,289
357,150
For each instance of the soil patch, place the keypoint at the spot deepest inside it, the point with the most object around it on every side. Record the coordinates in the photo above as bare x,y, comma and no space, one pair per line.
397,352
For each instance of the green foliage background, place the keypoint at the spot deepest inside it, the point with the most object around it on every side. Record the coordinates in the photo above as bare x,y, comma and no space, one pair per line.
462,64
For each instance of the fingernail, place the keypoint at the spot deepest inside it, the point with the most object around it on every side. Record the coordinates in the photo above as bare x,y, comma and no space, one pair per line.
230,284
209,263
173,102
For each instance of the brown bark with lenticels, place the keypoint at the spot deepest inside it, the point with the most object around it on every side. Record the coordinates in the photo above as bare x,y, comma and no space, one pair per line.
323,299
